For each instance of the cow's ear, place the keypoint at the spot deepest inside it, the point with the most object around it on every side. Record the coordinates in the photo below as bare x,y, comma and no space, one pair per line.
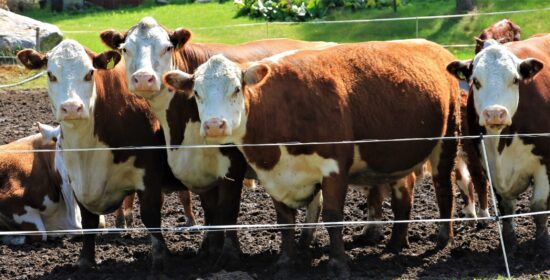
462,70
112,38
479,40
529,68
49,133
180,37
177,80
32,59
106,60
256,74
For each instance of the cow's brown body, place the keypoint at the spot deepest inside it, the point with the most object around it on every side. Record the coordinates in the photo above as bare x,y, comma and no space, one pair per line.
31,196
342,93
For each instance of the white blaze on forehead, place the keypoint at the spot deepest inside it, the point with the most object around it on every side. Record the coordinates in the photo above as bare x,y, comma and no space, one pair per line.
69,63
216,81
495,68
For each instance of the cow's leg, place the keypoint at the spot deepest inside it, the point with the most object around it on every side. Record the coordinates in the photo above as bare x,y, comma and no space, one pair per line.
334,189
402,201
373,233
479,180
539,202
287,259
33,222
213,240
464,182
442,161
87,254
507,207
229,203
150,206
312,216
124,214
185,199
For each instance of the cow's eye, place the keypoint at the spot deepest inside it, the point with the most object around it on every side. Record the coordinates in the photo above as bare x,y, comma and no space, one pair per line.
236,91
476,83
89,76
124,50
168,49
516,81
51,77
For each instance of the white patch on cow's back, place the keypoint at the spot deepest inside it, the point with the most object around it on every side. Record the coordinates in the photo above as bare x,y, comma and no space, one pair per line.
292,180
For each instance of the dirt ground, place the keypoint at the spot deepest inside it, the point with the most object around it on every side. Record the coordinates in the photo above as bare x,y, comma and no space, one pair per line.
475,253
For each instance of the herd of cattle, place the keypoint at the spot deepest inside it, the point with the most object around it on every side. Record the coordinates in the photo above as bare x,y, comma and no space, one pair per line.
155,88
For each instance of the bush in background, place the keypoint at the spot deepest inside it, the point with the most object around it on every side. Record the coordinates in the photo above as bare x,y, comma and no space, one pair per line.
302,10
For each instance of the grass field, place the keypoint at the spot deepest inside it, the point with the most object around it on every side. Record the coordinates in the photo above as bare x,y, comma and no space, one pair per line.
207,22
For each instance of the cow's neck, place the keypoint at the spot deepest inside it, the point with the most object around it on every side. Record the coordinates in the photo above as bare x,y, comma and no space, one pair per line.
159,106
79,134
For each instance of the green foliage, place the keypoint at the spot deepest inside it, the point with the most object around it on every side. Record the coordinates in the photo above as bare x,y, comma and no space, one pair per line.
302,10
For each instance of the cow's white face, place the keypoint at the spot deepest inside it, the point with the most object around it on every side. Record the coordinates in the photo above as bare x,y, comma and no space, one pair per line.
495,75
147,49
147,52
217,86
71,85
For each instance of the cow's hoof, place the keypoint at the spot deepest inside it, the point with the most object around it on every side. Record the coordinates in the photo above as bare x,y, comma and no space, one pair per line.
158,276
443,240
85,264
338,269
543,246
120,222
283,268
396,246
370,236
230,256
510,243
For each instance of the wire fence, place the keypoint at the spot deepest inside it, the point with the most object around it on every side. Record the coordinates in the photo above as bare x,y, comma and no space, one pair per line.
496,218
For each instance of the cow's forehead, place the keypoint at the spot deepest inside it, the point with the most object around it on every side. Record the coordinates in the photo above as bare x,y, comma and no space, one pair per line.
218,67
147,29
69,55
493,59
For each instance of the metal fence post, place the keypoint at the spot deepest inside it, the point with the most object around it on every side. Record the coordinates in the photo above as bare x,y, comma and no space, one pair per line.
416,27
267,29
37,47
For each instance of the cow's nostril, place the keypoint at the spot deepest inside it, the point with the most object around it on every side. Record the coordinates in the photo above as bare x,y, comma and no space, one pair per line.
135,80
80,108
151,79
222,125
64,110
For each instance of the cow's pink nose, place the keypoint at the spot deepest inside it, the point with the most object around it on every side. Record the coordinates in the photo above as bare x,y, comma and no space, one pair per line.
495,116
215,127
72,110
143,81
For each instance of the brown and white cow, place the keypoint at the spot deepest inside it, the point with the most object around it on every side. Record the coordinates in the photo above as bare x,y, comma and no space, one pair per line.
150,50
341,93
95,110
509,95
503,31
35,194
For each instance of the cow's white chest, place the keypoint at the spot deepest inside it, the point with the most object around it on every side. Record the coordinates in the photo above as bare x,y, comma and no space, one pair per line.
513,168
98,182
292,180
197,168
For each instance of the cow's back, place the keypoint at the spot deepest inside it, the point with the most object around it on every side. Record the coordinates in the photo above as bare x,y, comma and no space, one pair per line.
361,91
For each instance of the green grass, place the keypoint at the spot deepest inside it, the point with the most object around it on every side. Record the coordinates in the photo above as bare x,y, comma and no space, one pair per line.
207,21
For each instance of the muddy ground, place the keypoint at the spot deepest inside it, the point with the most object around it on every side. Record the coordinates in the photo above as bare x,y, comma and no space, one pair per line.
475,252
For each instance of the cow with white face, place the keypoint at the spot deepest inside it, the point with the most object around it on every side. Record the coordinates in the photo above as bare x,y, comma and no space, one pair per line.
150,50
340,93
95,110
509,96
